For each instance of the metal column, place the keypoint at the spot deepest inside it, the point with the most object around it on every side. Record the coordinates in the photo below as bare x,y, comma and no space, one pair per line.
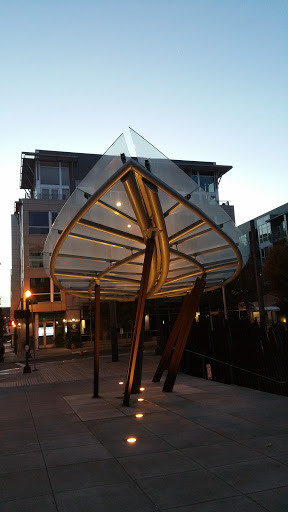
96,339
138,319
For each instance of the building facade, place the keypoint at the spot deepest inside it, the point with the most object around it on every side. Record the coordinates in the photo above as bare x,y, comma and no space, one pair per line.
270,227
48,179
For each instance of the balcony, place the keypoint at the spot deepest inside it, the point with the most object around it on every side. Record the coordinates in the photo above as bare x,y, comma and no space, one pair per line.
52,196
277,234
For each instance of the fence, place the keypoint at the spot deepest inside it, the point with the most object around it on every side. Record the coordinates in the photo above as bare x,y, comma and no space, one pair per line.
239,353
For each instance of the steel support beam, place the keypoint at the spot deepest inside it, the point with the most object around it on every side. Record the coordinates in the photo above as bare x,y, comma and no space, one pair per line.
139,319
191,309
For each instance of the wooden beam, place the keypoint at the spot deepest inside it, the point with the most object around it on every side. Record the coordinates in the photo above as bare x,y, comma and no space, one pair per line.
194,300
163,363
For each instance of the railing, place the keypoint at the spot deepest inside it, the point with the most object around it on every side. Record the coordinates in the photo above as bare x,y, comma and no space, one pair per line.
51,196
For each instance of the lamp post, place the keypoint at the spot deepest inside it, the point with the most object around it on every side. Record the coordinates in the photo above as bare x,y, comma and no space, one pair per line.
27,368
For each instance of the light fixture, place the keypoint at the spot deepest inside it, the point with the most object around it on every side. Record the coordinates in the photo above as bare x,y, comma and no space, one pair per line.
129,226
121,382
140,415
142,389
140,399
28,294
118,204
73,319
131,440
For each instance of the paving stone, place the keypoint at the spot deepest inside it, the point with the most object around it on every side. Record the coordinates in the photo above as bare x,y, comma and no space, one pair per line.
196,436
125,497
67,441
24,484
144,444
185,488
156,464
89,474
76,454
21,462
254,476
220,454
273,445
274,500
235,504
41,503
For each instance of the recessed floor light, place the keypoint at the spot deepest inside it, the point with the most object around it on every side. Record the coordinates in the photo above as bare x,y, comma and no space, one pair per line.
118,204
142,389
121,382
131,440
140,415
140,399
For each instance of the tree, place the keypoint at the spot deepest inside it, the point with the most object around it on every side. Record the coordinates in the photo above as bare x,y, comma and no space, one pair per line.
243,288
275,272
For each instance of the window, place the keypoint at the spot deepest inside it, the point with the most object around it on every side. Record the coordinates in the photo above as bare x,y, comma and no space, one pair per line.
35,256
54,180
38,223
263,232
44,290
65,179
49,175
53,217
41,222
57,293
207,183
40,288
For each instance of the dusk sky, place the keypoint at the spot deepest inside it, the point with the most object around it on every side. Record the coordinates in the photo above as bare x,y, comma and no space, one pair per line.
199,79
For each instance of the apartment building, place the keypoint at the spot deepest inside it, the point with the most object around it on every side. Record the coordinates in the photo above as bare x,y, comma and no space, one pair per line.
270,227
48,179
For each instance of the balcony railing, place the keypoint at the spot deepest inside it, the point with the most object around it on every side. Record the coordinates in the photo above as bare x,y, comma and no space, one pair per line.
52,196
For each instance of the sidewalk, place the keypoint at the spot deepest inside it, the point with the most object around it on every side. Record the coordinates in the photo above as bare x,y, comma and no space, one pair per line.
206,447
63,352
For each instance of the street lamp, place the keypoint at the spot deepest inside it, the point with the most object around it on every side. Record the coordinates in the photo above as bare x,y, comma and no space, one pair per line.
27,368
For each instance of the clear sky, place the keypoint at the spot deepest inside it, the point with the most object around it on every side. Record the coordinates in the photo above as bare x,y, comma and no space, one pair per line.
200,79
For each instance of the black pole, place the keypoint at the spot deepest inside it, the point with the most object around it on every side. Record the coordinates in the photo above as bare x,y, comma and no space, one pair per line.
258,278
27,368
96,340
113,330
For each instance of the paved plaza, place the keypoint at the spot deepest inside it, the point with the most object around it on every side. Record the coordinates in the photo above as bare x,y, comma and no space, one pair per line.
206,447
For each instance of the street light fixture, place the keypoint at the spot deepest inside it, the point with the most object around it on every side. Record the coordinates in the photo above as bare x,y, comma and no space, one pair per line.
27,368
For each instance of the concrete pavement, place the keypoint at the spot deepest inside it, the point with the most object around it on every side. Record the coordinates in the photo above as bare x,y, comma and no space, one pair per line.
205,447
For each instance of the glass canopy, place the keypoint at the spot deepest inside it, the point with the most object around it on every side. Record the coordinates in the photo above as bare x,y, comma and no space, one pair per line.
101,232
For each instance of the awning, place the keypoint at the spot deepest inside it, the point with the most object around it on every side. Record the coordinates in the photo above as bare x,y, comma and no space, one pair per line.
101,232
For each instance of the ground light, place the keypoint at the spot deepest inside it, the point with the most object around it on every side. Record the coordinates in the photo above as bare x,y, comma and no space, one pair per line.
121,382
131,440
142,389
139,415
140,399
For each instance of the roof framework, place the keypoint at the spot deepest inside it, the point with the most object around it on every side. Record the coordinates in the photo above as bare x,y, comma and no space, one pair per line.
101,233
